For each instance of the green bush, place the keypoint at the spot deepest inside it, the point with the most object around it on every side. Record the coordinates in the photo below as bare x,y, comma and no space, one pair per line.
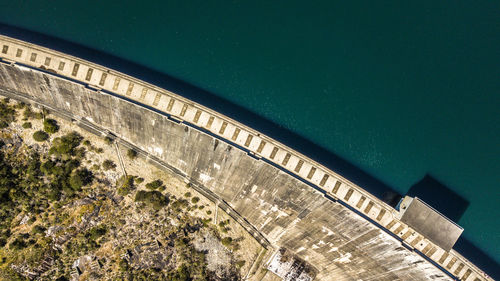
38,115
96,232
3,124
50,126
195,200
27,125
240,264
108,140
40,136
66,145
38,229
179,204
139,180
152,198
20,105
226,241
125,185
79,178
7,115
108,165
17,244
187,194
154,184
132,154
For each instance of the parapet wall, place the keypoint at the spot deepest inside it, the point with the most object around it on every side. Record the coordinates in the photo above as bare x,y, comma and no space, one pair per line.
357,237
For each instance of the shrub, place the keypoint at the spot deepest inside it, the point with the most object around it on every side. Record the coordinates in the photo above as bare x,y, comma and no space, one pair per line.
86,142
139,180
195,200
17,244
154,184
108,165
27,125
96,232
125,185
187,194
38,229
79,152
132,154
38,115
66,144
40,136
108,140
240,264
226,241
7,115
50,126
153,198
79,178
20,105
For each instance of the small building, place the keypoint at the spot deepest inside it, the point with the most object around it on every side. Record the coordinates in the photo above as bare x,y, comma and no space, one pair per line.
429,222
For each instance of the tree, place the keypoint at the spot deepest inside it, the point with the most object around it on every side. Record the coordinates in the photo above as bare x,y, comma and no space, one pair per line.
125,185
50,126
108,164
18,244
153,198
226,241
154,184
40,136
79,178
27,125
66,144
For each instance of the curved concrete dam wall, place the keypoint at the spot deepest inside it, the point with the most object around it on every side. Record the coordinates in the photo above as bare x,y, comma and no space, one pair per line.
294,202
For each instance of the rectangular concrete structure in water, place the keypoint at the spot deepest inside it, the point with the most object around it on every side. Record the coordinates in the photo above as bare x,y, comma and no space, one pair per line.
430,223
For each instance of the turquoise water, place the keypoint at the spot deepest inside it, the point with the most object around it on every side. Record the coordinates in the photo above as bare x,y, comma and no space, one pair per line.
400,90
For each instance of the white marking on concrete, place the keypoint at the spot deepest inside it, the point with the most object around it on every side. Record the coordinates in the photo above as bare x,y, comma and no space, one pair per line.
158,150
328,231
205,178
344,258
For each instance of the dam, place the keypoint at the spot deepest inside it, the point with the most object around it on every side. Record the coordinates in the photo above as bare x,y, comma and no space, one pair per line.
293,202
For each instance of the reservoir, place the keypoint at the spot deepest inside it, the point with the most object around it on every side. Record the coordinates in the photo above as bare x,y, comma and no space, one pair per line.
402,96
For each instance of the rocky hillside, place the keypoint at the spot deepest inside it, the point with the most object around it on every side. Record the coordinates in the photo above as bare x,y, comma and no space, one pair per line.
74,206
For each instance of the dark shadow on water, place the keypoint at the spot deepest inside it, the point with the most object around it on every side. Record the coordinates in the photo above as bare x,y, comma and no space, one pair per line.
440,197
478,257
453,206
245,116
